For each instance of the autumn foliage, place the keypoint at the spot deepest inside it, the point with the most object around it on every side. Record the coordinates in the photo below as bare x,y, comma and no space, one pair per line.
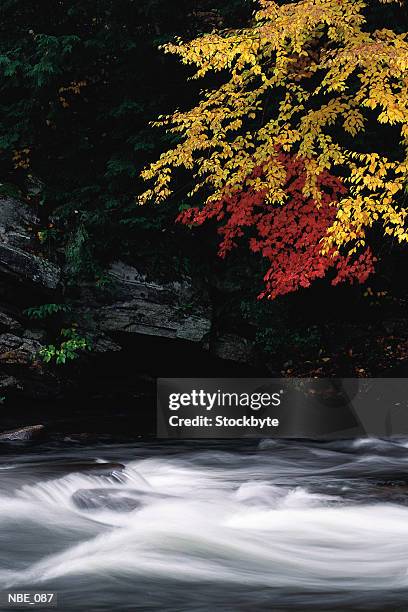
304,85
289,236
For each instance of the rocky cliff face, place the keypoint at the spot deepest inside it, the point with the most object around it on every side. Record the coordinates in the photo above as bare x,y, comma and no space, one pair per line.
138,305
25,278
135,308
18,258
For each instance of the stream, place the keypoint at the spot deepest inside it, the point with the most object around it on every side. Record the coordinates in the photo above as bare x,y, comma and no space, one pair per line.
197,526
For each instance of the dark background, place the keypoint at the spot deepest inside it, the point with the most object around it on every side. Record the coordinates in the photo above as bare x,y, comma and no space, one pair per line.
79,84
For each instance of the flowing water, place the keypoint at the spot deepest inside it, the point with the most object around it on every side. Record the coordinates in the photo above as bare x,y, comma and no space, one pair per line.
270,525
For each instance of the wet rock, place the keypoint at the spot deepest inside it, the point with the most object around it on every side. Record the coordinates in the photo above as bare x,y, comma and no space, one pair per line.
35,334
104,468
17,248
175,310
18,351
152,319
114,499
104,344
8,324
25,433
106,499
26,278
16,222
28,267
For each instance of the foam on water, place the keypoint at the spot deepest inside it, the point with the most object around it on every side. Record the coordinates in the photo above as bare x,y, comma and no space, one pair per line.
234,518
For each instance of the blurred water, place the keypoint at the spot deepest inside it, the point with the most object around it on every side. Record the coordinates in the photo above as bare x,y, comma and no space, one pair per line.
274,525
